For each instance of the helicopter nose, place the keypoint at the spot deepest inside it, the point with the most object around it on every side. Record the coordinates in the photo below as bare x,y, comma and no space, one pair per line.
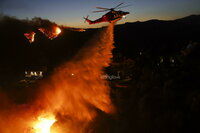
126,12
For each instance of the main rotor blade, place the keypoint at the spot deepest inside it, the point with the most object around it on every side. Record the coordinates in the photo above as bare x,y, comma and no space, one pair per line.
101,11
101,8
118,5
123,6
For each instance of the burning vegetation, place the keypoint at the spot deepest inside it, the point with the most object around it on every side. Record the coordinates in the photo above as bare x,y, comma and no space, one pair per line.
43,124
51,33
30,36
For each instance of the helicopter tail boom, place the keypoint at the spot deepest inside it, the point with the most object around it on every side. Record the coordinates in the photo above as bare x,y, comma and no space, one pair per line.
87,20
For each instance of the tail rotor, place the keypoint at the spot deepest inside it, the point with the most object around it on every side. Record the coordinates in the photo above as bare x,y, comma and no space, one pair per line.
86,18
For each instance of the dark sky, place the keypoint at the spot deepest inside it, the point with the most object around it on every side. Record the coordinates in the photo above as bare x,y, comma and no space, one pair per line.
71,12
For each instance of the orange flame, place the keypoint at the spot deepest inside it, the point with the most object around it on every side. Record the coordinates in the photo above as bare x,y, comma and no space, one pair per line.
58,30
51,33
43,124
30,36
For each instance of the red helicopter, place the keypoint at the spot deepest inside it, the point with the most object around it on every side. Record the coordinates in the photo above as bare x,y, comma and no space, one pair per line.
111,16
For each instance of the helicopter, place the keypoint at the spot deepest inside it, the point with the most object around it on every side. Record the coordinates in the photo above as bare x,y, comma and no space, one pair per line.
111,16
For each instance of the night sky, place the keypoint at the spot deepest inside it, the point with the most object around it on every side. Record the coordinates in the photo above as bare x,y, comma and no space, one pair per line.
71,12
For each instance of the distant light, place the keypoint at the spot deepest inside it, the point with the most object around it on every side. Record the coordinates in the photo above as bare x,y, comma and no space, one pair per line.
140,53
123,16
72,74
40,73
161,59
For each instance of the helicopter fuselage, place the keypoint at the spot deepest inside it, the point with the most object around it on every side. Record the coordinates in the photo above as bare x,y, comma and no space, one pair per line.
111,16
115,15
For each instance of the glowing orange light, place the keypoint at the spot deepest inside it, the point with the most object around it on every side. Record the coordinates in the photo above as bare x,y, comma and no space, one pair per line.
51,33
30,36
58,30
43,124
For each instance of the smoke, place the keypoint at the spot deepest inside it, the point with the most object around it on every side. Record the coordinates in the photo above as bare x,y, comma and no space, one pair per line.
39,22
75,93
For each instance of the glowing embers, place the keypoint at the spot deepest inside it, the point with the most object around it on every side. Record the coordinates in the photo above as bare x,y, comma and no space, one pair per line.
78,29
43,123
30,36
50,33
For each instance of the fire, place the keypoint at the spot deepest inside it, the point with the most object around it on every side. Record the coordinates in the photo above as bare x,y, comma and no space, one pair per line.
30,36
44,123
51,33
58,30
